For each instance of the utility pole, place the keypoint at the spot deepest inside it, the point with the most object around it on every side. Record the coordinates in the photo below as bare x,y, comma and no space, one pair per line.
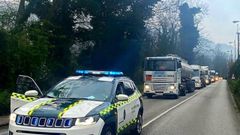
238,44
238,38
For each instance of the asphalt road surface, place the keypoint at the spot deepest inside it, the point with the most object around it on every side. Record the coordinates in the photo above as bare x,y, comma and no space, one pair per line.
209,111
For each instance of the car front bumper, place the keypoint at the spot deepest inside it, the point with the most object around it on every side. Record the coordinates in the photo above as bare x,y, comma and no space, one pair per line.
94,129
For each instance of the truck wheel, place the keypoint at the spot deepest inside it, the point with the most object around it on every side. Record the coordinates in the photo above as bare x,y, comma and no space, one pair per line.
183,92
138,128
149,95
176,96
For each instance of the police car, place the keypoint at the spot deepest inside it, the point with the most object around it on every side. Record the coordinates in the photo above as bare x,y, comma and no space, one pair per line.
90,103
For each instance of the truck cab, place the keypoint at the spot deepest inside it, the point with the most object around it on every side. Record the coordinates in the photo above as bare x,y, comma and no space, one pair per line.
197,76
206,74
167,75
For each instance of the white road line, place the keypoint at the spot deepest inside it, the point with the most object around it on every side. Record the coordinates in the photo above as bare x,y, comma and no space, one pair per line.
170,109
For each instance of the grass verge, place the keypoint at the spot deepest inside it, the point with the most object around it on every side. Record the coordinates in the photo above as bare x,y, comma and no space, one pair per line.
234,86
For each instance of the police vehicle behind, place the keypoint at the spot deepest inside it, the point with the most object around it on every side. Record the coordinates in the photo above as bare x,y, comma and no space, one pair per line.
90,103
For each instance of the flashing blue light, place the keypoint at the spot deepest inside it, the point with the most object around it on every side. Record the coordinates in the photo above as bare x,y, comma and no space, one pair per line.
113,73
106,73
82,72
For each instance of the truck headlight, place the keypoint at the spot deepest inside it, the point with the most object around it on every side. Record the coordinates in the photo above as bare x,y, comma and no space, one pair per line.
85,121
147,87
206,81
13,117
172,87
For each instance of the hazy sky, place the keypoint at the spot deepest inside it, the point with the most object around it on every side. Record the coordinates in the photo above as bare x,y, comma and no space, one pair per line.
218,25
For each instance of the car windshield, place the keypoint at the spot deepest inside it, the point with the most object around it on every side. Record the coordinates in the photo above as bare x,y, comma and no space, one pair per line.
160,65
92,88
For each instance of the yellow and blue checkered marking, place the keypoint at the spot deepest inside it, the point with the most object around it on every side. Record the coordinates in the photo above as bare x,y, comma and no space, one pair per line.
69,107
23,97
107,110
38,106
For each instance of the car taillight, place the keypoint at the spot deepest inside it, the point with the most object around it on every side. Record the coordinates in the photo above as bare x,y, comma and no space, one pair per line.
148,77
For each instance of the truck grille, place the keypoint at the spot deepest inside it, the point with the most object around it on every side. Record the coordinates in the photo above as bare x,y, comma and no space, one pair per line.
44,122
160,87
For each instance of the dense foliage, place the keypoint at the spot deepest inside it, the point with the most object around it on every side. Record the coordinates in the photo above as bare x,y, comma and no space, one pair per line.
50,39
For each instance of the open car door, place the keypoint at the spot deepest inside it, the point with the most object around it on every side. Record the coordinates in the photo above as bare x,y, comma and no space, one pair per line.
24,83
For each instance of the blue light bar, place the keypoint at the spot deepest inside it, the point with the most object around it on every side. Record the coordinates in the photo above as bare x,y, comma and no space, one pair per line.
106,73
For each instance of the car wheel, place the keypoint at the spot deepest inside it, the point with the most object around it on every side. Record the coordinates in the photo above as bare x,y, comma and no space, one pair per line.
138,128
107,131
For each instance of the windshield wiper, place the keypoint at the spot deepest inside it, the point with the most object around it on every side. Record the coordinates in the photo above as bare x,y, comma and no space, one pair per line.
49,96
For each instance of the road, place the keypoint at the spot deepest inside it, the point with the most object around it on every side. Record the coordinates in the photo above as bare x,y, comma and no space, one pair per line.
208,111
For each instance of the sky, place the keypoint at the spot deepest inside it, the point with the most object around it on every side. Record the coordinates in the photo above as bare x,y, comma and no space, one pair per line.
218,25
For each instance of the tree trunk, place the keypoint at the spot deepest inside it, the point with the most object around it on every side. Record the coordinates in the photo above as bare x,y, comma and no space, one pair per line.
20,13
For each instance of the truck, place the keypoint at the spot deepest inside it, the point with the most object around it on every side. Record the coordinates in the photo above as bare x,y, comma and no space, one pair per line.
167,76
212,75
197,77
206,74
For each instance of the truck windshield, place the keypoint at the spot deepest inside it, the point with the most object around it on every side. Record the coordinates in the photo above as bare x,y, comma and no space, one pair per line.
92,88
196,73
160,65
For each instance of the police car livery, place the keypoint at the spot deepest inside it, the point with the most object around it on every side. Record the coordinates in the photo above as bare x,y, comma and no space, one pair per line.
90,103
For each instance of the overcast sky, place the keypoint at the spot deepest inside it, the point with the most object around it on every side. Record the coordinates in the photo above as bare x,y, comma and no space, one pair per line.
218,25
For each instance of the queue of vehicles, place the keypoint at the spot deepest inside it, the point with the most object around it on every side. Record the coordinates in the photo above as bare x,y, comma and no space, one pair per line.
172,76
100,102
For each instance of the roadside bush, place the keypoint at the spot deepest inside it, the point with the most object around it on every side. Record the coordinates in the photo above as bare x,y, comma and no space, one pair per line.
4,102
235,88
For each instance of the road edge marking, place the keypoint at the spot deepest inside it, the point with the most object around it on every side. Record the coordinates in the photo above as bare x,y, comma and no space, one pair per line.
170,109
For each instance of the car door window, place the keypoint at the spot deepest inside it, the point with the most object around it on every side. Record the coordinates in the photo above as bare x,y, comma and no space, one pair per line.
120,89
128,89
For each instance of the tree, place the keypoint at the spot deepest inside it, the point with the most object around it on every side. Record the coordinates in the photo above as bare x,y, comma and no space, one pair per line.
163,28
189,33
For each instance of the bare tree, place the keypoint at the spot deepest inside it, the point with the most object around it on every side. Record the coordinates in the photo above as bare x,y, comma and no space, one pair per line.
8,12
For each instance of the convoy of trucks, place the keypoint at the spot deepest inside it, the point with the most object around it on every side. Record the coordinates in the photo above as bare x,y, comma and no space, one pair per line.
168,75
172,76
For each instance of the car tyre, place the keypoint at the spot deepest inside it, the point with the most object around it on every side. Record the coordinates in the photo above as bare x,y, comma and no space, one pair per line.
138,127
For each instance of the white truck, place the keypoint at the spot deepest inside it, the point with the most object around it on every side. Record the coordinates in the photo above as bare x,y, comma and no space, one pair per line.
167,75
212,75
197,76
206,74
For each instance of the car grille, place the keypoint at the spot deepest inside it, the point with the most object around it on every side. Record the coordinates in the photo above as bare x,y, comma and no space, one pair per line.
44,122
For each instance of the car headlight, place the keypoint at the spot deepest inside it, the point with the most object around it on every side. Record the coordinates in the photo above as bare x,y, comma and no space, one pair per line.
87,120
13,117
147,87
206,81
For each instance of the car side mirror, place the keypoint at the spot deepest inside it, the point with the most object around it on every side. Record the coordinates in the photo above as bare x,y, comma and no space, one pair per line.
122,97
31,93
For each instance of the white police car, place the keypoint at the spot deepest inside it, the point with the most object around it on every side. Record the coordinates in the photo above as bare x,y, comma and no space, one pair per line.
90,103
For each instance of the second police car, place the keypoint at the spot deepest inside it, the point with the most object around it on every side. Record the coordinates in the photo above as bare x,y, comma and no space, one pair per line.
90,103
